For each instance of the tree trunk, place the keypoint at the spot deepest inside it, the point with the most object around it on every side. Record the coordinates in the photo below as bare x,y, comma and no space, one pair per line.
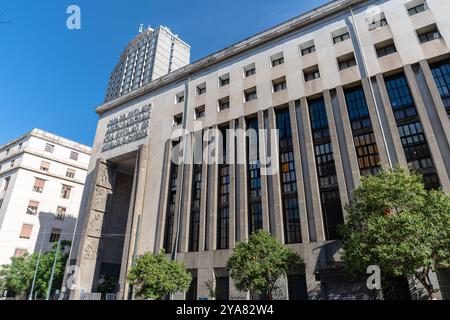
269,295
422,277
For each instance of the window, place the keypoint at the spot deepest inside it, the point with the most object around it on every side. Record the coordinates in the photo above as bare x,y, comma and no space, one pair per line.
61,213
326,169
367,153
224,80
70,173
65,192
346,61
7,152
20,145
421,7
224,103
288,179
223,213
441,75
199,112
12,163
307,48
49,148
178,119
19,253
74,155
341,36
279,84
429,33
39,185
179,98
7,180
33,207
55,235
385,48
26,231
311,73
255,221
400,97
277,59
170,214
45,166
250,94
194,229
376,24
249,70
201,89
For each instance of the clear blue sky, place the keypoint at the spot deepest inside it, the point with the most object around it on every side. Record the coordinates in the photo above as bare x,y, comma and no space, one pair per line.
52,78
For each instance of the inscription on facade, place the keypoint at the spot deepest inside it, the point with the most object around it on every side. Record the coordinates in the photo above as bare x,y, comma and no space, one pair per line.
127,128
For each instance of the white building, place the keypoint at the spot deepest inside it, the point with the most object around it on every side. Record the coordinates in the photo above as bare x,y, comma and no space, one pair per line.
41,183
152,54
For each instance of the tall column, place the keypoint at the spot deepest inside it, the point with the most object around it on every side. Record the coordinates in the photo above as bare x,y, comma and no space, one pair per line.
336,152
204,192
310,158
264,180
242,187
276,184
232,163
428,129
299,173
391,120
374,119
350,144
213,195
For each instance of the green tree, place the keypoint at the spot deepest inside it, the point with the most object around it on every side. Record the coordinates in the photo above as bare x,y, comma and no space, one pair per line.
154,276
395,223
256,265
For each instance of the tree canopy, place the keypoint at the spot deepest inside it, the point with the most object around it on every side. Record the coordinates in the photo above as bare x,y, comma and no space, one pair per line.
398,225
256,265
154,276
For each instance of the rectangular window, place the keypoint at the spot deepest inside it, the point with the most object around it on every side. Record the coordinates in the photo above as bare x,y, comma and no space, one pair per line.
45,166
417,9
378,24
194,229
253,178
279,84
7,180
74,155
170,214
429,33
288,179
250,94
346,61
70,173
277,59
224,103
200,112
341,37
27,230
223,214
363,137
249,70
61,213
410,129
49,148
385,48
39,185
224,80
311,73
65,192
19,253
13,162
178,119
326,169
54,235
32,208
307,48
441,75
201,89
179,98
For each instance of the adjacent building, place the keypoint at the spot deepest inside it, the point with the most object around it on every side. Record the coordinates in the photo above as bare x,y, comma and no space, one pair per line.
152,54
349,85
41,183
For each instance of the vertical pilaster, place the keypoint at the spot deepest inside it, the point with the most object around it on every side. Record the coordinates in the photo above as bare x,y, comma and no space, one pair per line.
242,188
391,120
336,152
310,158
232,163
213,188
204,192
428,129
278,207
183,245
299,173
264,180
350,144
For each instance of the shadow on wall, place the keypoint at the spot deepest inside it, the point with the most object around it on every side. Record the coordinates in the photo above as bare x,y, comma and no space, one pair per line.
50,224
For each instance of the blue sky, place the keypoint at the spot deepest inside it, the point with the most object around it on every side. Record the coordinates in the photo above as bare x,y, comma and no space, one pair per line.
53,78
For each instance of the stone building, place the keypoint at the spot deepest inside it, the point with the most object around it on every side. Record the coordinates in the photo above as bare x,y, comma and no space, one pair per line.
348,85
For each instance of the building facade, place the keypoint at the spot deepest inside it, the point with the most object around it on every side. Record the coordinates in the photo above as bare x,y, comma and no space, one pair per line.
348,86
41,179
152,54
